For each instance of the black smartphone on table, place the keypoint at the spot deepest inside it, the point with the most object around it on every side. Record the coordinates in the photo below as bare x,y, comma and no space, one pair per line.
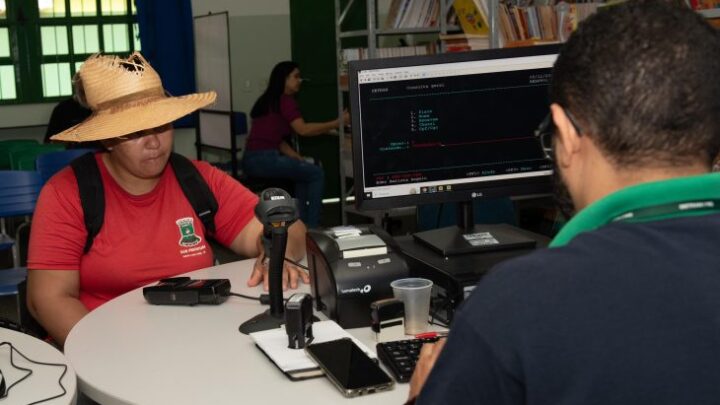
352,371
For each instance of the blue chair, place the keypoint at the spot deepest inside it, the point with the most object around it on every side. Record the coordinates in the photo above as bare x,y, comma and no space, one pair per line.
240,122
10,278
50,163
19,191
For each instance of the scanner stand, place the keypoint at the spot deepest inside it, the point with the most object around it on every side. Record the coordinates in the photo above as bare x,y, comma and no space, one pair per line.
262,321
275,316
265,321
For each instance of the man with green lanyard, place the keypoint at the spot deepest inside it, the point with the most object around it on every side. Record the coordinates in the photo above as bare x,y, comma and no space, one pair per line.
624,308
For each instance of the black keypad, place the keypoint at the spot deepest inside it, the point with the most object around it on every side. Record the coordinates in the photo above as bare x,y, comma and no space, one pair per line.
400,356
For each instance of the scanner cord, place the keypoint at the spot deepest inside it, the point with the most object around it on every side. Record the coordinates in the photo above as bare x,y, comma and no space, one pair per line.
245,296
297,264
64,366
263,298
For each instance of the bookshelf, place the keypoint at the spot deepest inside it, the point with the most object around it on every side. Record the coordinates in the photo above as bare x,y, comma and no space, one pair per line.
419,21
369,33
426,17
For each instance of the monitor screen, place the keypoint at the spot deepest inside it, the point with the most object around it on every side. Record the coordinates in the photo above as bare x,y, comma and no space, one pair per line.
449,127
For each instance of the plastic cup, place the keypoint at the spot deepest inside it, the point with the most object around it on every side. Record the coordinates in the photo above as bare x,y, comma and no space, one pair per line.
415,295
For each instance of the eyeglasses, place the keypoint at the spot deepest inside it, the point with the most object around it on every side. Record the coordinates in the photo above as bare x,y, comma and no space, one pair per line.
546,130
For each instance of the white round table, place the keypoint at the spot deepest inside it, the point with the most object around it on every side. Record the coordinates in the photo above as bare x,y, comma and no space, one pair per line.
128,351
44,382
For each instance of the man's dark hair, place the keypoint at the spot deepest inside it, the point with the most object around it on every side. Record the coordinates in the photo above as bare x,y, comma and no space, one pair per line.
642,79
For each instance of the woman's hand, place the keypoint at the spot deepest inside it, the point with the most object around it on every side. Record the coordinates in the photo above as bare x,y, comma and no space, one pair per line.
288,151
291,274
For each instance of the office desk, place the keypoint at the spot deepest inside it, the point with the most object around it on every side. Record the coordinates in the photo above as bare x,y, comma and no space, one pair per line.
128,351
43,382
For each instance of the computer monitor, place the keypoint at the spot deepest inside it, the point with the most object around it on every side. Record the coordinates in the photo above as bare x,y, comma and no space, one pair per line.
451,128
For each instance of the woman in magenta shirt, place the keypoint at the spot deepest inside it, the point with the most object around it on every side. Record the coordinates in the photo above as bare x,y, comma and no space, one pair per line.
275,116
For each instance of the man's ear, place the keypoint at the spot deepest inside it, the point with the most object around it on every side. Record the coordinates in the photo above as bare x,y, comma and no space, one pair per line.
567,140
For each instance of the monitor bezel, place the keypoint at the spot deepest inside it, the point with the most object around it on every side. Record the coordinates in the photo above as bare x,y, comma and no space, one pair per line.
539,185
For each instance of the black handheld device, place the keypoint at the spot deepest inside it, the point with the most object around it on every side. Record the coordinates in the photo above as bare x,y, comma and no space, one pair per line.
352,371
186,291
276,210
298,320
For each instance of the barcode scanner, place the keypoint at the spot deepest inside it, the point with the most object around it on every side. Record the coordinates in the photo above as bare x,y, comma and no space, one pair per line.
276,210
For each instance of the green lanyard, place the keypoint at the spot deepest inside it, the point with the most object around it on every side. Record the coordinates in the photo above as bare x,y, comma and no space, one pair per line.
653,201
672,210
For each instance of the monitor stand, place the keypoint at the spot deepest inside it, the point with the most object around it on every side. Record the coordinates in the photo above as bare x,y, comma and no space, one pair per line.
467,237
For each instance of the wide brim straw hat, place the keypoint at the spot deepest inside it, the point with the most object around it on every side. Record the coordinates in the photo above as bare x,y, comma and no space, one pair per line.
126,96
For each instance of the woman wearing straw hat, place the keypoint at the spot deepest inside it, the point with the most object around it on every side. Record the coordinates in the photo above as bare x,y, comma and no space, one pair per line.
145,208
274,116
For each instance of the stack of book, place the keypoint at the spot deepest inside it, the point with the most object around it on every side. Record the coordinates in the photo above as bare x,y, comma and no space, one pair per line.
464,42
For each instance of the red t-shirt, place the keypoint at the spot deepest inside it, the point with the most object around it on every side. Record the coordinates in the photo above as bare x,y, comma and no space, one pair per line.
143,238
269,130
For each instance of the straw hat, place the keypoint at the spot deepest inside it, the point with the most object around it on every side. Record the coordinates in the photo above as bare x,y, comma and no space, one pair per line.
126,96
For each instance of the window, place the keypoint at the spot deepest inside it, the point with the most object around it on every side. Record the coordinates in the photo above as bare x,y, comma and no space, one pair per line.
7,70
44,42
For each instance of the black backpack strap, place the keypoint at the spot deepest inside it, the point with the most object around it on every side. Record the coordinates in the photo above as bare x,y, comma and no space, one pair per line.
196,190
92,195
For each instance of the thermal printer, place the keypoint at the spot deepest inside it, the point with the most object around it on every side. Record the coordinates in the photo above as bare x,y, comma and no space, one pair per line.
350,267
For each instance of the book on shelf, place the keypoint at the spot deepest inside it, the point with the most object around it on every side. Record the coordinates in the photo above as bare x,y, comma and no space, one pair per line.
472,15
464,42
540,22
393,13
412,14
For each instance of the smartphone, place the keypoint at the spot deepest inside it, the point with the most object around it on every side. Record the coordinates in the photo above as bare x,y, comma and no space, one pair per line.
352,371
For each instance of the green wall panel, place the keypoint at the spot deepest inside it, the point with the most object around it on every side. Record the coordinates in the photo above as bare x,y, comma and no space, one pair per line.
312,28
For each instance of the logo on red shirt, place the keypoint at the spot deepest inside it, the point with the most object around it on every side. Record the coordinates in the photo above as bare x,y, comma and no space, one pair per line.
187,232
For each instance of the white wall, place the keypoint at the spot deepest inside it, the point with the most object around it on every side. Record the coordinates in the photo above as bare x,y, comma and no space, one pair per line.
259,38
22,115
242,7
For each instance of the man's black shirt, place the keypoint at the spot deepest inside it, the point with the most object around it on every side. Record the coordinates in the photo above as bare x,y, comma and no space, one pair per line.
627,314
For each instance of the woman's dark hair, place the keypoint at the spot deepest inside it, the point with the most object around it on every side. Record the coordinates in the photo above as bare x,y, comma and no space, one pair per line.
644,93
269,101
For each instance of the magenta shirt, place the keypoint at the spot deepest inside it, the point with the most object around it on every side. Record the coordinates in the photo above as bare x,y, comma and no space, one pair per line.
269,130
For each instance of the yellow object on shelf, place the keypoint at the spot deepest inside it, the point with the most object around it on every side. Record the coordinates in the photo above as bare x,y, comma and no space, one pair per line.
472,16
